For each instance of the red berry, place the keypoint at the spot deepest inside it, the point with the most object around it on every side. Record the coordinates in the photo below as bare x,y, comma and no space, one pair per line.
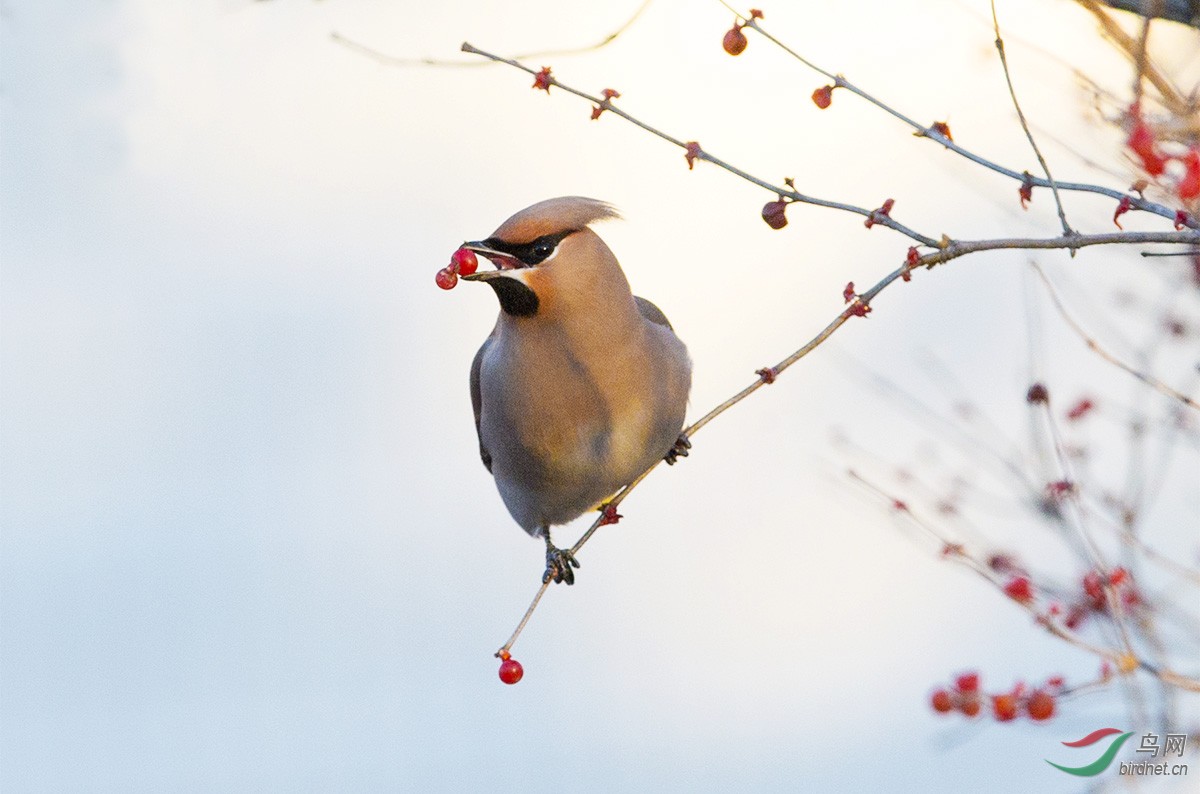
823,96
464,261
773,214
1040,705
967,682
446,277
735,40
970,706
511,671
1118,576
1004,707
941,701
1019,589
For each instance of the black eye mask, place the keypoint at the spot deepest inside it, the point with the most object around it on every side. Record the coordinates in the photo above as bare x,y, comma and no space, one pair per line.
533,252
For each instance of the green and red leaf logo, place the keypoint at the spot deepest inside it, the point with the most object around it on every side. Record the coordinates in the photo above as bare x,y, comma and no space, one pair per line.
1101,763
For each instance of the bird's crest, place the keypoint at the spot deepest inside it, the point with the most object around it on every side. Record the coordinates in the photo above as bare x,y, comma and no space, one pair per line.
566,213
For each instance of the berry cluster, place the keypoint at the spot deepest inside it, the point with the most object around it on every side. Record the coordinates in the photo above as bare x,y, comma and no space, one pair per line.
462,262
1155,161
965,697
1093,599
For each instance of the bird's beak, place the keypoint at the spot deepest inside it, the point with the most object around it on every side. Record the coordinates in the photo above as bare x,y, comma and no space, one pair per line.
501,260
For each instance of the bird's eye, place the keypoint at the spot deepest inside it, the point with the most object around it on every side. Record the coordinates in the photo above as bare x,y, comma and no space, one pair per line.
539,250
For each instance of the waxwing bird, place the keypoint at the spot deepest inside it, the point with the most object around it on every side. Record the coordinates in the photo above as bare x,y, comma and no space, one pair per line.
581,385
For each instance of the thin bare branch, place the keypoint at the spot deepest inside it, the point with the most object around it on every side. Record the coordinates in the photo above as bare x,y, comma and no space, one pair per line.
1185,12
1125,660
1012,92
1169,93
391,60
1136,202
945,249
878,218
1099,350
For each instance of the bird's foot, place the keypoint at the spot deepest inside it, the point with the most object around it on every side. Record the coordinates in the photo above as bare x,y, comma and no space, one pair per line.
679,450
559,563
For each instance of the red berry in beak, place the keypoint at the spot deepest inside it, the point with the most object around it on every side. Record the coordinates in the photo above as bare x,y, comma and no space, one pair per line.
464,261
446,278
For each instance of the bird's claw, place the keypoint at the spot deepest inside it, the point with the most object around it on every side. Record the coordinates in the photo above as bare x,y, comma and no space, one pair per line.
679,450
558,565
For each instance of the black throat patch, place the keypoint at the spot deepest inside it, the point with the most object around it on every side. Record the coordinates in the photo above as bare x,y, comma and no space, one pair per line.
516,299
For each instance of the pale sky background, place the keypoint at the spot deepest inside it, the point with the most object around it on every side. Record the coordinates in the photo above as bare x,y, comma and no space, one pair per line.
247,541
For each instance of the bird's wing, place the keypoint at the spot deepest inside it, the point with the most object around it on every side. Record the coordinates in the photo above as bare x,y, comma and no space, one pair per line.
652,312
477,401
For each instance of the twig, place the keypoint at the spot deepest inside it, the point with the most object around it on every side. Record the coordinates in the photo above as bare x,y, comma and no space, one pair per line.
1125,660
950,249
1068,479
879,218
1136,202
391,60
1170,96
1012,92
947,250
1184,12
953,251
1095,346
695,427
